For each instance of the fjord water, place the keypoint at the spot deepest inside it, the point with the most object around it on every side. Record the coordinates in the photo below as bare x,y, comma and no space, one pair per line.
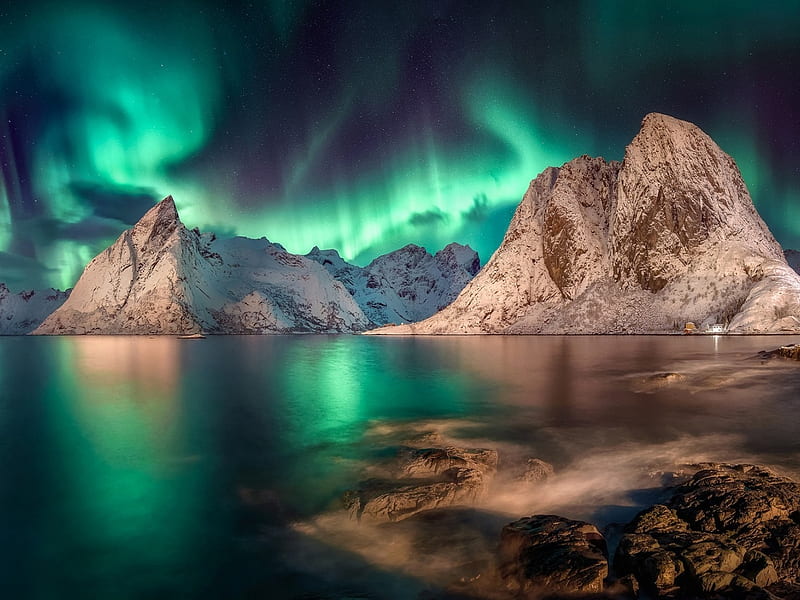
136,467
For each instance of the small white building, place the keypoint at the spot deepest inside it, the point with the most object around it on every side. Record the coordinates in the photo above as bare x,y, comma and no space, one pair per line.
716,328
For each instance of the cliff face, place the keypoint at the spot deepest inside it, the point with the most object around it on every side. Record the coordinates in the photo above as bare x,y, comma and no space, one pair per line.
677,191
667,236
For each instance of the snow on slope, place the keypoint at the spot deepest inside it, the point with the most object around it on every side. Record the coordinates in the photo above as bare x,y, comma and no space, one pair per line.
22,313
667,236
159,277
405,285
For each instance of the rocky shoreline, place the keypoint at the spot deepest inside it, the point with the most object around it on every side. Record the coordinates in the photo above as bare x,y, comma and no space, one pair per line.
721,531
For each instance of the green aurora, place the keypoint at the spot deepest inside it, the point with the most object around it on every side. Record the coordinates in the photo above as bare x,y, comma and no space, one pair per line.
363,126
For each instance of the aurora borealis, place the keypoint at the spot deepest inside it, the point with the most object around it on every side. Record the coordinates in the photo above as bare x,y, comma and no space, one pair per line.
362,125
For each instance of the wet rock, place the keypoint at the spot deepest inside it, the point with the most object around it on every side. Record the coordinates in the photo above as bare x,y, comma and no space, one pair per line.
536,470
728,529
791,351
657,381
379,500
425,462
429,478
547,553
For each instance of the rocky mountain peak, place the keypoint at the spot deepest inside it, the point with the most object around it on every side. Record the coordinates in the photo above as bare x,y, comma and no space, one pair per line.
330,259
677,191
157,224
456,255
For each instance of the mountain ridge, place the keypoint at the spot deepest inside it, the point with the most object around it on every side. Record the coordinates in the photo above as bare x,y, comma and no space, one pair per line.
161,278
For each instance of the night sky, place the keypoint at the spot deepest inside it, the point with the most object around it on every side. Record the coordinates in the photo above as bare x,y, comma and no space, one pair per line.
363,125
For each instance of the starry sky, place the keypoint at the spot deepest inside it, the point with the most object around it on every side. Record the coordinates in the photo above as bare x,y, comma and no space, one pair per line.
363,125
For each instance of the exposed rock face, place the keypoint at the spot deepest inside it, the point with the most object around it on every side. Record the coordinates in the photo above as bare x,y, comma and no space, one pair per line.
677,191
405,285
159,277
669,235
22,313
729,528
428,478
548,554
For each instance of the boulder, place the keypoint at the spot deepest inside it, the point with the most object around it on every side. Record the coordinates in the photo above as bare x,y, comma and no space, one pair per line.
728,529
536,470
551,554
428,478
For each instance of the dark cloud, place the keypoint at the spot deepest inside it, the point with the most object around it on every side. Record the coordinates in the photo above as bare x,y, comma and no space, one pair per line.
20,271
121,202
429,217
479,210
92,229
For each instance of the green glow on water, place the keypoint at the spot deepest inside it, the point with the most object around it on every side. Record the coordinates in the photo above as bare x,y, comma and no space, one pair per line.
115,428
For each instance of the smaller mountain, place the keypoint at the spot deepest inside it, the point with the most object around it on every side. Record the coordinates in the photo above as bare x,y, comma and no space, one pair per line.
23,312
406,285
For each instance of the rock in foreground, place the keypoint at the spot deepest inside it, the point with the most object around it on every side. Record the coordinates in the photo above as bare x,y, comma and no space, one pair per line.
731,529
548,554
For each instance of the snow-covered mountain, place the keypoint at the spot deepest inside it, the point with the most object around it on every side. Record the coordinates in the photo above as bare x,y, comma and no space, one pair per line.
669,235
22,313
160,277
405,285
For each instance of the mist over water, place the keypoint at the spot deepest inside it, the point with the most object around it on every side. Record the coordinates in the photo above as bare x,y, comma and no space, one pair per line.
138,467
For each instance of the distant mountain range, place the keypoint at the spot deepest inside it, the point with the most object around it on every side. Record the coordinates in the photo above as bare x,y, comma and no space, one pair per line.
23,312
667,236
161,278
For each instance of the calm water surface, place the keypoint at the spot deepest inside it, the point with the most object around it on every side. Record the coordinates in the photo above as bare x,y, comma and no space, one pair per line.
157,467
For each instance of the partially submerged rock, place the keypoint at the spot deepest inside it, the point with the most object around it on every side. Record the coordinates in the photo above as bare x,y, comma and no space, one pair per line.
425,462
730,528
791,351
657,381
429,478
547,553
536,471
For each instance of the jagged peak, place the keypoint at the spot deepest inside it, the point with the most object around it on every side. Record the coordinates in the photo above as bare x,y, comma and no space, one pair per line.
158,222
163,211
660,130
414,248
453,246
331,252
462,255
